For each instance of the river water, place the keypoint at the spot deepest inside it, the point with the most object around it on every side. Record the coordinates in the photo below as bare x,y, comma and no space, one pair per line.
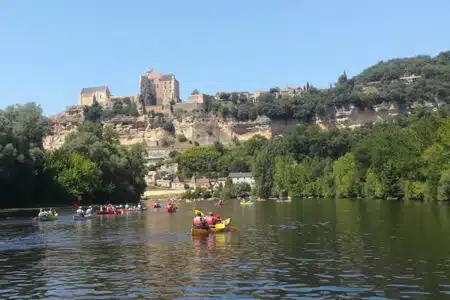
307,249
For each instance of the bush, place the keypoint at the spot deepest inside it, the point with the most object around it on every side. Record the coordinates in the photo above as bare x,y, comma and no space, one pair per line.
181,138
166,142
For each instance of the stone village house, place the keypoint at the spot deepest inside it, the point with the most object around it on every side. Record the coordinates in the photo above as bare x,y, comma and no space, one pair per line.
242,177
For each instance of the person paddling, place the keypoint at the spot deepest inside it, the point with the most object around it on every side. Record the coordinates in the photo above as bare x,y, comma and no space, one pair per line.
89,210
200,222
80,211
211,220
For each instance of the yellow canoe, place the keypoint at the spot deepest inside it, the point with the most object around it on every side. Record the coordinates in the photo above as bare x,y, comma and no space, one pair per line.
225,226
199,232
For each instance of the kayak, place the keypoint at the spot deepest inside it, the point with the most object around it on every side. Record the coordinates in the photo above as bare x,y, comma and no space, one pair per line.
48,218
106,212
205,232
82,218
224,226
171,209
247,203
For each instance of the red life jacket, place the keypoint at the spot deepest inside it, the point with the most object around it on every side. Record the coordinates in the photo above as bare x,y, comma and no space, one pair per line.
198,221
210,220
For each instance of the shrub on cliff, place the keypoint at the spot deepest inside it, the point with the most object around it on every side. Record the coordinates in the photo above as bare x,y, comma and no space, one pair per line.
181,138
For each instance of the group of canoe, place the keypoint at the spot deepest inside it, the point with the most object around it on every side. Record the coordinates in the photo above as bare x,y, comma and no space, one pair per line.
169,208
249,203
52,215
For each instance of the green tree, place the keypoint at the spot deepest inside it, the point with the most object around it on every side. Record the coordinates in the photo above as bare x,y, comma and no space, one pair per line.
77,175
93,113
283,175
228,191
345,176
242,189
444,186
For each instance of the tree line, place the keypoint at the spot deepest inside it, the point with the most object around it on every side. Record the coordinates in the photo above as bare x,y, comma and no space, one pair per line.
377,84
408,158
91,166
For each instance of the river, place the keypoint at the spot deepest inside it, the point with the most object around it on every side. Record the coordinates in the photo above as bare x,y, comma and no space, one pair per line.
307,249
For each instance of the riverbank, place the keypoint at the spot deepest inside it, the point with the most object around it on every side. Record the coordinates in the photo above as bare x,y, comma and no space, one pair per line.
162,194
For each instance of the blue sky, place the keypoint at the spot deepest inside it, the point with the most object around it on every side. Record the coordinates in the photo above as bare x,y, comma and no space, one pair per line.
50,49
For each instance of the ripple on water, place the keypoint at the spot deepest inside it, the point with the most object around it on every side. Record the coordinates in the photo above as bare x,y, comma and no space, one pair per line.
149,256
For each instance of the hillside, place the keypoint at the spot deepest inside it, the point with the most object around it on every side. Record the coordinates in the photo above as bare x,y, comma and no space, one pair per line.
380,93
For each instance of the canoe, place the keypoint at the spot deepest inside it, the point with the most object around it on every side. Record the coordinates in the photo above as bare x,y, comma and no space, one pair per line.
247,203
171,209
80,218
205,232
48,218
200,232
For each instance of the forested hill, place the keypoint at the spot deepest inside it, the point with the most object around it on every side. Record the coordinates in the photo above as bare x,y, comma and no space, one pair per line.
407,82
430,68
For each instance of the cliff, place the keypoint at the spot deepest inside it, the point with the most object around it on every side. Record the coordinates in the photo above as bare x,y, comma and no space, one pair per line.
202,130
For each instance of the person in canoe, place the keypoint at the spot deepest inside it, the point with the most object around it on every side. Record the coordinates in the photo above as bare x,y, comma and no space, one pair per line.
41,213
218,219
200,222
52,212
89,211
80,211
211,220
220,203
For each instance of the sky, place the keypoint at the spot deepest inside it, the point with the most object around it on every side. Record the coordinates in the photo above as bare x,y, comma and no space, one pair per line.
51,49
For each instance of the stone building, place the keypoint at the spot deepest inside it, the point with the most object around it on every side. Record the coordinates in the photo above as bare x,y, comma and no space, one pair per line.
99,93
196,97
159,89
242,177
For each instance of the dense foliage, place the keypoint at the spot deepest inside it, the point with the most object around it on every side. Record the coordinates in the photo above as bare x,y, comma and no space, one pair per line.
95,113
383,82
91,165
408,158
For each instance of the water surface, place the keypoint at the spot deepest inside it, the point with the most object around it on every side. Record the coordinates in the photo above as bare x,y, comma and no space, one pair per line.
307,249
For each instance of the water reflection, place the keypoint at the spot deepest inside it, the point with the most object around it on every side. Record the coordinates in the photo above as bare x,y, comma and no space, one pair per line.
307,248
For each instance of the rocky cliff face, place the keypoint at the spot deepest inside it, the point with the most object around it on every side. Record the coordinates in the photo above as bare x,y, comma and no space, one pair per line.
204,130
62,125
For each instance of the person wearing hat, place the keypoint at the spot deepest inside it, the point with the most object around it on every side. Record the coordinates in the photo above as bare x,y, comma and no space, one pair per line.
80,211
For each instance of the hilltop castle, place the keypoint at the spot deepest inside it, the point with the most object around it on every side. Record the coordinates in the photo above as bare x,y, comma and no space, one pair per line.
155,89
160,93
159,89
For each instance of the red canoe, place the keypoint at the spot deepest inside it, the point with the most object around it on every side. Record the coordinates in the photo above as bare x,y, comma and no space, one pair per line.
170,209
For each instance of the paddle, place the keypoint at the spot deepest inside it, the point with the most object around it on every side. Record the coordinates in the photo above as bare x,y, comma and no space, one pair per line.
224,223
196,211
